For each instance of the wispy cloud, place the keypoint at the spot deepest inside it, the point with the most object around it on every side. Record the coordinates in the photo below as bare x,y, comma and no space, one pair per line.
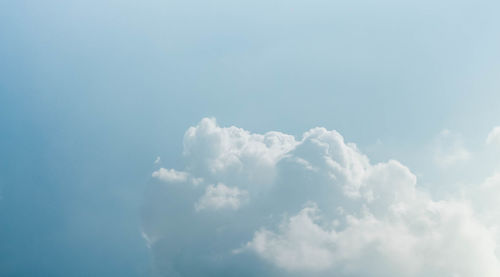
450,149
494,137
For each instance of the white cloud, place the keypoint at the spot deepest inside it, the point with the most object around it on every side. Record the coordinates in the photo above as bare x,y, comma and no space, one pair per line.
301,244
233,155
170,175
484,198
221,197
157,160
312,207
437,239
494,137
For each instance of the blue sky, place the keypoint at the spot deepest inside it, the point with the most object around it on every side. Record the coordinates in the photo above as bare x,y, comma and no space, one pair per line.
91,92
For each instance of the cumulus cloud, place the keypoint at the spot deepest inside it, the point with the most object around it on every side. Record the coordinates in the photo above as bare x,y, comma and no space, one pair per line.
170,175
221,197
494,137
273,205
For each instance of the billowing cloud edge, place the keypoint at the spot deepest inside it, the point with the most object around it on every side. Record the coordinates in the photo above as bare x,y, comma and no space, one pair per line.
314,207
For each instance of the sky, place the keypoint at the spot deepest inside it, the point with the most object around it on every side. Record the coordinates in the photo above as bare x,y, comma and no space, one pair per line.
93,92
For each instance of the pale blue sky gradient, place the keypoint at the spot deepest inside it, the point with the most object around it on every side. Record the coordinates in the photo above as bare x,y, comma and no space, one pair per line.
91,92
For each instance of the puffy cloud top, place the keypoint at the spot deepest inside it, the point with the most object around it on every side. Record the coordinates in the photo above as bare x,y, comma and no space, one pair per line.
170,175
271,205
